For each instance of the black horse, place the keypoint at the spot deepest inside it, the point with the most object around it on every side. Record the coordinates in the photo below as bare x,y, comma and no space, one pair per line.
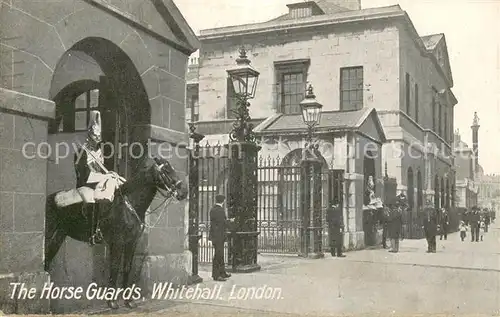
121,225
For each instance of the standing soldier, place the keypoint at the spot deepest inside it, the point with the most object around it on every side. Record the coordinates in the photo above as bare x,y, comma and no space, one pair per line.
430,228
335,228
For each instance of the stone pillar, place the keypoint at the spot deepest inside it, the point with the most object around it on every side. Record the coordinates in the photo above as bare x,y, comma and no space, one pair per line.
163,250
23,177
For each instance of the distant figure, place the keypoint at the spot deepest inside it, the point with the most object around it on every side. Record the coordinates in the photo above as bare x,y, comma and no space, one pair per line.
463,230
394,227
385,218
487,221
482,231
474,222
430,229
335,228
445,222
218,225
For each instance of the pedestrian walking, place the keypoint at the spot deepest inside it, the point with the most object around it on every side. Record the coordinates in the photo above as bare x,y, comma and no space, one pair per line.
445,222
430,228
463,230
482,230
474,222
218,226
335,228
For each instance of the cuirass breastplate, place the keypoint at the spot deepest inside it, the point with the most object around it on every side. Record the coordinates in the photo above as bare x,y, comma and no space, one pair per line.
91,162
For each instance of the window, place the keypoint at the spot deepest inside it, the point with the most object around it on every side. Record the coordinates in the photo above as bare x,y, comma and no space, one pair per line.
351,88
85,103
73,114
231,102
407,94
440,127
192,107
445,126
416,103
291,79
292,92
433,105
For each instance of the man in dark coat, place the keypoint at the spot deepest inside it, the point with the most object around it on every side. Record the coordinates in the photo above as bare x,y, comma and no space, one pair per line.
487,220
445,223
430,228
394,226
474,220
217,234
335,228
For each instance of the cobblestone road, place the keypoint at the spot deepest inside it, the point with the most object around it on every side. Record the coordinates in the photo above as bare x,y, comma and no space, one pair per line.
461,278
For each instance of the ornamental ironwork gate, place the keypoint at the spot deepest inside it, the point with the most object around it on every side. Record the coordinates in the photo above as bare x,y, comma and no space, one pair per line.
213,174
279,205
279,201
279,220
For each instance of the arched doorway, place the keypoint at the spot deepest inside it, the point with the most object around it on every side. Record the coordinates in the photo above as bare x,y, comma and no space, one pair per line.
410,185
420,194
94,74
368,170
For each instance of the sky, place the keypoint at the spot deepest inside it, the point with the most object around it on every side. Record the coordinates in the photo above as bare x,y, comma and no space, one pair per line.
472,30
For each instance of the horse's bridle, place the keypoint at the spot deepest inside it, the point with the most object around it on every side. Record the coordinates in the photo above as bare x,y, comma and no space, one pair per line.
161,178
164,178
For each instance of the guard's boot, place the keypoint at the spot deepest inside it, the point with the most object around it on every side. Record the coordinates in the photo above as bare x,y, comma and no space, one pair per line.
100,208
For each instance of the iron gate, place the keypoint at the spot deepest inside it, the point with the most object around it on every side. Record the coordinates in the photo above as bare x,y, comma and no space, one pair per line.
213,170
279,194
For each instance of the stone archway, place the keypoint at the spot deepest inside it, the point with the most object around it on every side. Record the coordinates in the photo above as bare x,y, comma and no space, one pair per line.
93,74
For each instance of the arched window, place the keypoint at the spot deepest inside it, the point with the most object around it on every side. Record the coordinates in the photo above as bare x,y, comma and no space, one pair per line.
420,194
411,189
73,110
368,170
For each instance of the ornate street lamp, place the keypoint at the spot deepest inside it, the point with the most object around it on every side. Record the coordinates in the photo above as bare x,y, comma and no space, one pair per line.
311,112
244,77
311,234
243,151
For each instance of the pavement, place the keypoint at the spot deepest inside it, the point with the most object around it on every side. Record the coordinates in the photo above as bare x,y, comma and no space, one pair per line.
461,278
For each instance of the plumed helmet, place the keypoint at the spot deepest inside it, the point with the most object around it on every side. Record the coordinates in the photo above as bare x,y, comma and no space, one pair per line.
94,130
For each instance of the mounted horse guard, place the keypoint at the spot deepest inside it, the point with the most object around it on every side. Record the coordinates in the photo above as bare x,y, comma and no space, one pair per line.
95,185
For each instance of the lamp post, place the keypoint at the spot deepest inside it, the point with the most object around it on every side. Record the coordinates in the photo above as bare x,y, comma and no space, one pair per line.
194,235
311,233
243,151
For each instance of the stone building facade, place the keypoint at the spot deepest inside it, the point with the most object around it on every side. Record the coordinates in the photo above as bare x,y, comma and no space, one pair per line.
355,59
58,59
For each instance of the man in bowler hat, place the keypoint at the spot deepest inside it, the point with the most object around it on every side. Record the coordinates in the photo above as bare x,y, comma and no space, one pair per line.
474,220
430,228
218,225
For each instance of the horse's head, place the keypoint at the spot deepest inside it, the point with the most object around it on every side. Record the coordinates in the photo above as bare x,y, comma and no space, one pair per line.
166,178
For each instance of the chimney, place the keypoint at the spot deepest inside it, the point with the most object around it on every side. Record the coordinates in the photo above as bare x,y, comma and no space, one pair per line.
475,139
303,10
348,4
